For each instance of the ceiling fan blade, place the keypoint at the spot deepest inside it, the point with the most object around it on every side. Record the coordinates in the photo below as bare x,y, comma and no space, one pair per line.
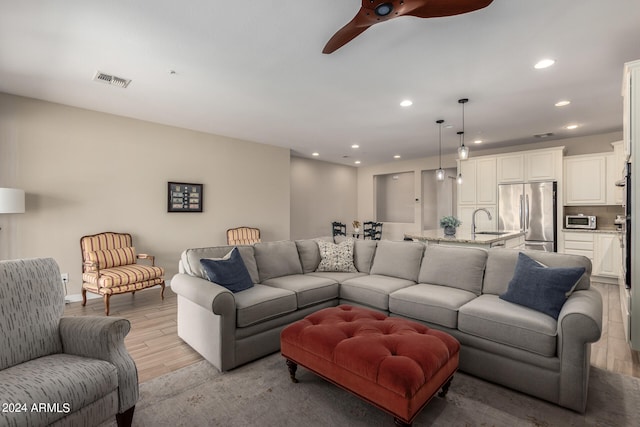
439,8
353,29
376,11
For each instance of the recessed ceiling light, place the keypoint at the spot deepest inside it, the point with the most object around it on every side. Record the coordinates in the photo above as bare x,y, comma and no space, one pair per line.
357,162
545,63
571,127
315,154
447,126
406,103
397,156
562,103
355,146
477,141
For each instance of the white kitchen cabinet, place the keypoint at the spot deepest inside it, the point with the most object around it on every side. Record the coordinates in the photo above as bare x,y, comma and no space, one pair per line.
530,166
619,167
479,186
542,165
467,189
510,167
578,243
607,255
585,180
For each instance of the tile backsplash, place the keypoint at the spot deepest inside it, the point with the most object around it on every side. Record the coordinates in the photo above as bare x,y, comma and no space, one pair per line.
605,215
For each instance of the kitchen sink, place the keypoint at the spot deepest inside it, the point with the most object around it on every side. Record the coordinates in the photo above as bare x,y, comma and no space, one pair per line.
493,233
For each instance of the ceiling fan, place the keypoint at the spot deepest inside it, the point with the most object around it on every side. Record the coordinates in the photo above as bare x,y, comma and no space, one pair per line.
376,11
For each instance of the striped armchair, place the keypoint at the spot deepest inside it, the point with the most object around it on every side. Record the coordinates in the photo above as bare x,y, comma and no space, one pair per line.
243,236
109,266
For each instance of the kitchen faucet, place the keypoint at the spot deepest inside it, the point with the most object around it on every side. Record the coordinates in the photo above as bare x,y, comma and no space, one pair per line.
473,218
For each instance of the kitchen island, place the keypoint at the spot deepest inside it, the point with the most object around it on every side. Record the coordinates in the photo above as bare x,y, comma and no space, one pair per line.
481,239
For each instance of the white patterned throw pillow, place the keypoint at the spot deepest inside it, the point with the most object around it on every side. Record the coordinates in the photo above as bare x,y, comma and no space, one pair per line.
336,257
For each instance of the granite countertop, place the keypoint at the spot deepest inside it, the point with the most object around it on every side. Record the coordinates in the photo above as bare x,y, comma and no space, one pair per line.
462,236
598,230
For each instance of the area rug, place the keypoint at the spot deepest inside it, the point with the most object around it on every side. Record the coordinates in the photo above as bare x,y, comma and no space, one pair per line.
261,394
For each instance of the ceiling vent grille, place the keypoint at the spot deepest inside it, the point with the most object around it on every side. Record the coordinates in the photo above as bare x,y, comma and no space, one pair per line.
111,80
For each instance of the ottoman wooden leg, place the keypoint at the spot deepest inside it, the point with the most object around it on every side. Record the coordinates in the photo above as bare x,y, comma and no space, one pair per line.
399,423
445,388
293,367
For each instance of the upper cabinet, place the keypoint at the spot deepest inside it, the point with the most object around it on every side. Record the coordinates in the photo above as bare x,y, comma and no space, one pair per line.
510,167
590,179
530,166
479,184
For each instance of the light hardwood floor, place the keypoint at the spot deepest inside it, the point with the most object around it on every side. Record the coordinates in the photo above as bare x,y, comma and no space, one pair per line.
154,344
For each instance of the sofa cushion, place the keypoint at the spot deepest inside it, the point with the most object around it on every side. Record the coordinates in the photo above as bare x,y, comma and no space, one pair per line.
124,275
276,259
309,289
109,258
228,271
398,259
336,256
73,382
454,266
363,252
190,260
489,317
430,303
501,264
541,288
372,290
309,253
261,303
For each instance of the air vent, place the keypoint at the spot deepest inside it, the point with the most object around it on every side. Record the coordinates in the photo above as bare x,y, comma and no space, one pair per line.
111,80
544,135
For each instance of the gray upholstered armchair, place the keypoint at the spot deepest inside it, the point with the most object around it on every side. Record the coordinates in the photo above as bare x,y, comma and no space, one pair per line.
59,370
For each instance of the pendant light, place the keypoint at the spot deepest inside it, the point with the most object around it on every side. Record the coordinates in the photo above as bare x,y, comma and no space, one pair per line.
440,171
463,152
461,134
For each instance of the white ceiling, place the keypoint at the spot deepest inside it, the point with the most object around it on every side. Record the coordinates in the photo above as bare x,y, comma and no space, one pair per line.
254,70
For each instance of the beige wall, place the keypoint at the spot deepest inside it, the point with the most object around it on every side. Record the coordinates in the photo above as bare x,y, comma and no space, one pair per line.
85,172
321,193
395,231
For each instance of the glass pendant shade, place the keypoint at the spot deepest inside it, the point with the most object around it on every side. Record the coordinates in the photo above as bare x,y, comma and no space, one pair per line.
459,180
463,152
440,174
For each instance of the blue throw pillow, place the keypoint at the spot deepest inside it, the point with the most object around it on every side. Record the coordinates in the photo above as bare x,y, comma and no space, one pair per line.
541,288
229,271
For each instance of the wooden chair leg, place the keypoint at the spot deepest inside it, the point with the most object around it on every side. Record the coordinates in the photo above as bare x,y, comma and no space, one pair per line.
126,418
162,290
84,297
106,304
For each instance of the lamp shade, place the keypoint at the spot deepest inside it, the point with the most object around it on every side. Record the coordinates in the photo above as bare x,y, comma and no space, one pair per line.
11,200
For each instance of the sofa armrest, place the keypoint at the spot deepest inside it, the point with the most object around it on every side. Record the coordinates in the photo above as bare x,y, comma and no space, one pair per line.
207,294
102,338
579,323
580,320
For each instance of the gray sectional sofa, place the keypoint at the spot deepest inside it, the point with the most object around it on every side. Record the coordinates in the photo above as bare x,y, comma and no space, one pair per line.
454,289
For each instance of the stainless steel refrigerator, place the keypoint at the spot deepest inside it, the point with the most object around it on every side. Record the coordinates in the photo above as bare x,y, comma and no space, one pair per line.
530,207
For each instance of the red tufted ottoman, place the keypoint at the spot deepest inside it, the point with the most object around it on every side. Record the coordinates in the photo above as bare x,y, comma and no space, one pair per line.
395,364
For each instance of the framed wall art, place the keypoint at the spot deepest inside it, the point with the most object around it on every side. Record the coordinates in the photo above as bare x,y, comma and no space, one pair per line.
184,197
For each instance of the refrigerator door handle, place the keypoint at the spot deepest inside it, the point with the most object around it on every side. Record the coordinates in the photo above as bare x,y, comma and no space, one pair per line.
526,212
520,213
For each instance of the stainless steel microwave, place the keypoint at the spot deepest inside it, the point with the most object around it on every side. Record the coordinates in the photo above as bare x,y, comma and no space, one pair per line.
580,221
